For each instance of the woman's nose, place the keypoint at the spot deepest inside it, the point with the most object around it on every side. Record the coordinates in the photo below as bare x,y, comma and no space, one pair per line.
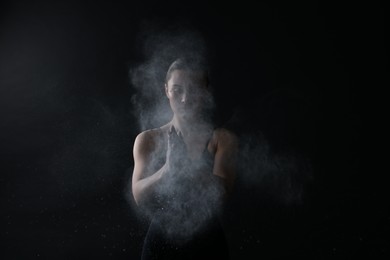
183,98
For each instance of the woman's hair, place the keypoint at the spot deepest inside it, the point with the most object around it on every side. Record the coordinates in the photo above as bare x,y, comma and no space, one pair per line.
191,64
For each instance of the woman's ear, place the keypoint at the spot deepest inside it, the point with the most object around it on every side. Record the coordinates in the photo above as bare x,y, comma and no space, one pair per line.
166,90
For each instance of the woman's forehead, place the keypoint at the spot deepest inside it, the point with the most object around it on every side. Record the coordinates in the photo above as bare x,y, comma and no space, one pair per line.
186,77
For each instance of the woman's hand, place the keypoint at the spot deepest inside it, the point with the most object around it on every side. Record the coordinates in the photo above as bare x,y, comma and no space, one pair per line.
177,157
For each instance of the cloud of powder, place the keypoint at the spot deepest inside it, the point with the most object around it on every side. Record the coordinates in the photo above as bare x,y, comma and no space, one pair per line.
160,48
280,176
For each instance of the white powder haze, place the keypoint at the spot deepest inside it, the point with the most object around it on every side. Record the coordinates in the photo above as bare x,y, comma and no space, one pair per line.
193,201
280,176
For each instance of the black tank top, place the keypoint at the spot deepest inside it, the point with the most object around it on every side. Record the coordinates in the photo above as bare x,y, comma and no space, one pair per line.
193,198
188,227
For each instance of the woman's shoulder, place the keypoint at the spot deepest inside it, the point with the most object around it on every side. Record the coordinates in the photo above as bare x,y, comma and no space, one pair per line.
151,136
224,135
222,132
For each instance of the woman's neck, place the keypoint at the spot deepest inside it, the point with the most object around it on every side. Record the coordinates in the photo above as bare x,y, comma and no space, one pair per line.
190,126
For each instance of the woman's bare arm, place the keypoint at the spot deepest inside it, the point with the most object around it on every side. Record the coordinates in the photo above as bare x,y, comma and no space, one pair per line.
144,182
150,183
225,158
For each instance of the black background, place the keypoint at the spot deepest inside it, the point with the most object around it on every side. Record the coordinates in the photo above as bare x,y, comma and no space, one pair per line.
304,74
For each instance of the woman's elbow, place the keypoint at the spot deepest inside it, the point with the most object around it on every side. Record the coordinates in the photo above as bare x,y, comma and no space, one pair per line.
136,193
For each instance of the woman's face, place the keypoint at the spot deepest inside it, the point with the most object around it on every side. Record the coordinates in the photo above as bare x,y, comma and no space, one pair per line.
187,92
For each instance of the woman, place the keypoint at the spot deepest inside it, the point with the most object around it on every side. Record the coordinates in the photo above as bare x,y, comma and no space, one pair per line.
184,171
